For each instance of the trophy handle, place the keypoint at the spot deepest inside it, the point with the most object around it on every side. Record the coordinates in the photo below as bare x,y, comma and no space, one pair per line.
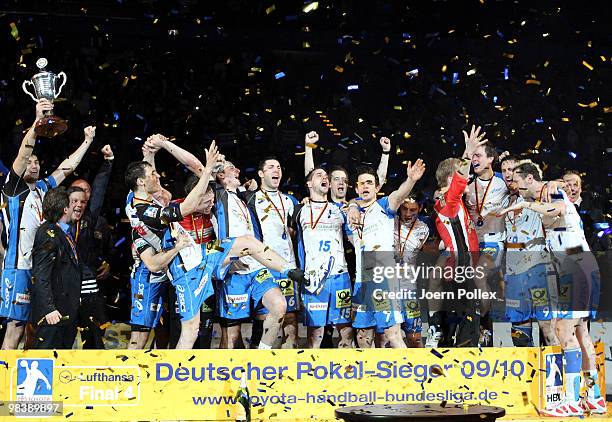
24,86
65,79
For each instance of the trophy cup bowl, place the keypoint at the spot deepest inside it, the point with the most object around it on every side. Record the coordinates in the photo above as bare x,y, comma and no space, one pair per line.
45,86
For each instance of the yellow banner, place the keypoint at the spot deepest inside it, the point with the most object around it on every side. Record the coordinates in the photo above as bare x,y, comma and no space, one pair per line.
188,385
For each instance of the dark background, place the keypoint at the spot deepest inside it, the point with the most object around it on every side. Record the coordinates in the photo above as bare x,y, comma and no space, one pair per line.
199,71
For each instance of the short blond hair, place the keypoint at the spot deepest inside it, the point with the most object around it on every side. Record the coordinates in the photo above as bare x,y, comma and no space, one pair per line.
446,169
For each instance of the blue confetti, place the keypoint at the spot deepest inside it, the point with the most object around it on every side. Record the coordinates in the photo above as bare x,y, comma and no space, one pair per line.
455,78
539,120
116,116
352,87
120,241
506,74
572,154
279,75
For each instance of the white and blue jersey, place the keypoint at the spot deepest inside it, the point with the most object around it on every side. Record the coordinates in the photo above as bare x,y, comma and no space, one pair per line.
484,199
242,290
192,272
273,210
579,276
529,272
22,215
320,227
375,249
409,239
149,221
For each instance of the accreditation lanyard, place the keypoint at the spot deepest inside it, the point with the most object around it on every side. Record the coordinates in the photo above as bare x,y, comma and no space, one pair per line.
199,236
313,222
72,243
479,207
399,236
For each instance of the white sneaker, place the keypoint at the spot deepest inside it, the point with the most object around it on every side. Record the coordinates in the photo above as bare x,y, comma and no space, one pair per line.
594,406
433,337
565,408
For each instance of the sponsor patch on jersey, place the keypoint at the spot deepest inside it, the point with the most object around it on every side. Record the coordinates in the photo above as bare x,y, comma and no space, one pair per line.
286,286
412,309
263,275
318,306
237,298
22,298
539,297
152,212
343,298
513,303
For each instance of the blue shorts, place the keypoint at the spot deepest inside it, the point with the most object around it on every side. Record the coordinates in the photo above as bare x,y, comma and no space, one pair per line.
239,290
147,299
372,310
579,284
528,296
412,317
15,294
411,314
289,290
332,306
196,285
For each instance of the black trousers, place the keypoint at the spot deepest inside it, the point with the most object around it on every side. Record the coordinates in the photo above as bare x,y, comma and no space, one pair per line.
58,336
92,316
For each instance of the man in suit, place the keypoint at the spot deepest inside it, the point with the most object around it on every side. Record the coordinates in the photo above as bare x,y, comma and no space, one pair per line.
56,272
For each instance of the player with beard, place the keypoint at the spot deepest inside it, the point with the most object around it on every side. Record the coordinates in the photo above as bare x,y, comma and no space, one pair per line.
373,228
22,197
578,274
274,210
327,294
409,238
252,285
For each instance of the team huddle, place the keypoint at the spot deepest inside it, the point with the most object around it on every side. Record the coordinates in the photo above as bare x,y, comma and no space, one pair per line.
233,254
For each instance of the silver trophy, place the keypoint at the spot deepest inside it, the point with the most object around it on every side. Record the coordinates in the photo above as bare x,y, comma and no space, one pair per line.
45,84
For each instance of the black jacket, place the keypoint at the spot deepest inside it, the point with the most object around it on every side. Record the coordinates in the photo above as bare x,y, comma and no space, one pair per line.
89,253
56,275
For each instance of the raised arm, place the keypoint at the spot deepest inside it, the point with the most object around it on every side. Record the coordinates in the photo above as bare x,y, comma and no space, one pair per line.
27,145
67,166
98,187
183,156
148,154
194,197
414,173
385,143
310,143
460,178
